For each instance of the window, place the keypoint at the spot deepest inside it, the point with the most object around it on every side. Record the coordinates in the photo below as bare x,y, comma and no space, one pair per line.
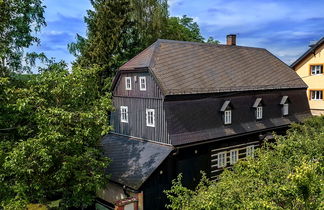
128,83
233,156
285,109
124,114
150,117
142,83
250,151
316,94
227,117
259,112
316,69
221,159
285,105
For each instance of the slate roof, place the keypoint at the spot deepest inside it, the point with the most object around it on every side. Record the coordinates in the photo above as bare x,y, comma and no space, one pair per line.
133,160
191,68
309,51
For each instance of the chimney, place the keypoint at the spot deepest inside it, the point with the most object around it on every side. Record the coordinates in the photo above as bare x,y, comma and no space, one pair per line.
231,39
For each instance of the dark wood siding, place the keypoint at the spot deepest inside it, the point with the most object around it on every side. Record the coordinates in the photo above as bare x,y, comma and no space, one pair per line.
136,125
152,89
197,119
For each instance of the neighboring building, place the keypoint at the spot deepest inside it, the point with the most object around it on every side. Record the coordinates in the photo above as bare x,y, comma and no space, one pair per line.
185,107
310,68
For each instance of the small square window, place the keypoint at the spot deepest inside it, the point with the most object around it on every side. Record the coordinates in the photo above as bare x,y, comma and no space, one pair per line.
227,117
250,151
221,160
150,117
233,156
142,83
316,94
259,112
124,114
128,83
316,69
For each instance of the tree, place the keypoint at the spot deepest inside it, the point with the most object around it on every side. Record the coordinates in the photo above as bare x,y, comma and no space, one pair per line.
57,118
287,174
182,29
19,21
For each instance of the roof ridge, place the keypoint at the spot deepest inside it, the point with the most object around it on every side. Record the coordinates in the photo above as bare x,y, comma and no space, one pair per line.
204,44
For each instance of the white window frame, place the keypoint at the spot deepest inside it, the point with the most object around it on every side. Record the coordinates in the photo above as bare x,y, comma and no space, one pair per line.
259,112
316,69
150,117
234,156
227,117
250,151
128,83
124,114
221,159
316,95
285,109
142,82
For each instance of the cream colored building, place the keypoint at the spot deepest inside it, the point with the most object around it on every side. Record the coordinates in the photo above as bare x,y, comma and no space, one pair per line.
310,68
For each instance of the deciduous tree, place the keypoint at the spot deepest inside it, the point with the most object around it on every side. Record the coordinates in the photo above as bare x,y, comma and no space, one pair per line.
287,174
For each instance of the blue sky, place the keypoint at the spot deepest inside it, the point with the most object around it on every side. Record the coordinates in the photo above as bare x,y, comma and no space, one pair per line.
284,27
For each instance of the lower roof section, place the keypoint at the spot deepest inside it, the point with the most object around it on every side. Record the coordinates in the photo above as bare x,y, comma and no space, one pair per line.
133,160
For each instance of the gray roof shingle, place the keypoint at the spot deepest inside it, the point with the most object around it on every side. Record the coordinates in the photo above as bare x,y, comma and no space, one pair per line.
133,160
191,68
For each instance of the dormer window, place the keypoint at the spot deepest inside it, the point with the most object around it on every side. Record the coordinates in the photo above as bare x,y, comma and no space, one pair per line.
228,117
142,83
128,83
258,108
227,113
316,69
124,114
285,105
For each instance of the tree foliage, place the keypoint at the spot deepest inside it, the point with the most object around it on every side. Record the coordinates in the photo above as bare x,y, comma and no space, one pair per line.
19,21
49,149
285,175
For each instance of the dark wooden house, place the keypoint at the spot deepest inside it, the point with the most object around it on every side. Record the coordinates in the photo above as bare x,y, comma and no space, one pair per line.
185,107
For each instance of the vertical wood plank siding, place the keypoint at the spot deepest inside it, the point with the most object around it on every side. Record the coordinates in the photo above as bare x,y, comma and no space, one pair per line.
136,125
152,89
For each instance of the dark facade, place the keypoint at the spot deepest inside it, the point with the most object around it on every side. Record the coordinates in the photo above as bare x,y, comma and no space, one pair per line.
191,116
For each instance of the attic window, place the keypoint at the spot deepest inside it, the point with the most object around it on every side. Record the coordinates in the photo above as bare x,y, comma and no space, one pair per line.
227,112
128,83
258,108
142,83
316,69
285,105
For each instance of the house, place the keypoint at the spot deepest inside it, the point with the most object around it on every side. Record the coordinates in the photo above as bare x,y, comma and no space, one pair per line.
186,107
309,67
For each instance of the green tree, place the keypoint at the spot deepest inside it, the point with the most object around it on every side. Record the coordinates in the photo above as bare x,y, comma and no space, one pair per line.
19,21
58,119
182,29
287,174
